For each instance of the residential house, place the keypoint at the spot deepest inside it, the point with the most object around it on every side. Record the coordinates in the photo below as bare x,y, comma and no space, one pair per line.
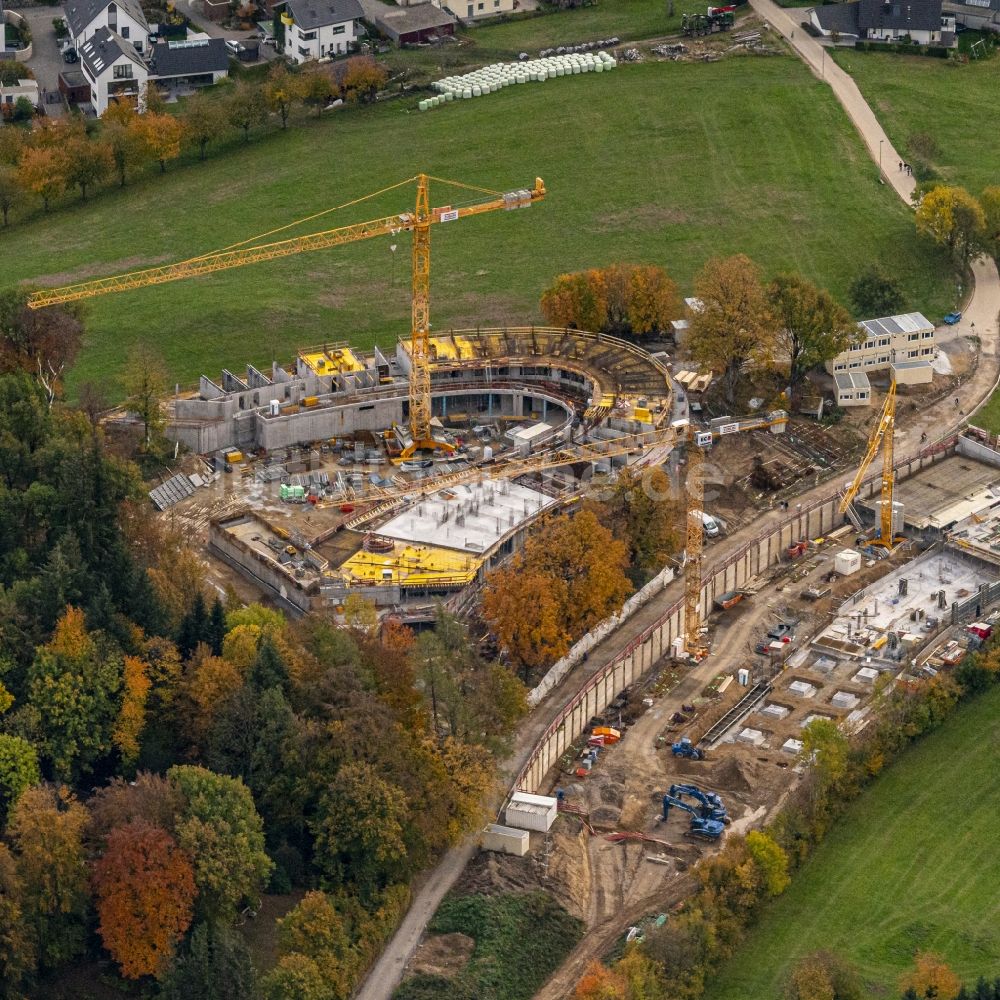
84,18
198,62
12,93
977,15
922,22
319,29
470,10
409,25
885,342
113,68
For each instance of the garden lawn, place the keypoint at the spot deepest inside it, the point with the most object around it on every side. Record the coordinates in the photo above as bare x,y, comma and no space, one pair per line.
952,103
912,865
661,163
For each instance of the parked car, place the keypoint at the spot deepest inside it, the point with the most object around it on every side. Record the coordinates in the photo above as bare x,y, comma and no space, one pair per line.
70,56
952,318
233,47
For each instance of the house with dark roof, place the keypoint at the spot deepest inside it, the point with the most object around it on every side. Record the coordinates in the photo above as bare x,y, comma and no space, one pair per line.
922,22
113,68
121,17
319,29
410,25
115,71
195,63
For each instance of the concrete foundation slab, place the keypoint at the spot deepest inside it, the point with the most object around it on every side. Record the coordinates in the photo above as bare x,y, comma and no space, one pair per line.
844,699
802,689
754,737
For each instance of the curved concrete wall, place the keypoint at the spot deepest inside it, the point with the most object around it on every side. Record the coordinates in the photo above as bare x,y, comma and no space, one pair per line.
20,55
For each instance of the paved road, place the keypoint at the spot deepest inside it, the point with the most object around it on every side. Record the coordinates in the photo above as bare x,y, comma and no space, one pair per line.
938,421
46,61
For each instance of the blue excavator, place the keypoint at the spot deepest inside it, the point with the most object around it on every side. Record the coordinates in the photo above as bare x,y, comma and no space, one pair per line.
685,748
710,804
701,827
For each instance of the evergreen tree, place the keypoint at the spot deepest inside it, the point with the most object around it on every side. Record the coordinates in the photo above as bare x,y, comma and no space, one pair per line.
983,990
194,627
215,966
217,626
268,669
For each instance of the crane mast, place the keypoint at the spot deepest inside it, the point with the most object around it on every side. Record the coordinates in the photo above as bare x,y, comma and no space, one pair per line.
693,645
881,437
420,346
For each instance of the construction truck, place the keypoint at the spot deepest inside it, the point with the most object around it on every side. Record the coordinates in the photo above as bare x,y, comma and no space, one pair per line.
685,748
702,828
710,804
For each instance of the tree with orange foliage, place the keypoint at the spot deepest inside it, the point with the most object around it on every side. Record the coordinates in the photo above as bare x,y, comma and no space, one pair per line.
931,976
601,983
362,78
132,716
144,887
576,300
162,135
206,685
43,173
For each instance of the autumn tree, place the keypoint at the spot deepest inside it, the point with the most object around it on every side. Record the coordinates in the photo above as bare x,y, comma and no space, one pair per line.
732,330
812,326
824,975
145,382
317,88
18,771
641,510
298,977
87,163
220,830
317,932
124,138
826,747
246,107
641,300
952,218
876,293
73,683
282,90
42,171
46,833
149,798
208,682
362,78
17,949
132,715
144,890
770,859
601,983
931,977
204,120
11,190
989,200
624,300
41,342
576,300
161,135
583,569
359,828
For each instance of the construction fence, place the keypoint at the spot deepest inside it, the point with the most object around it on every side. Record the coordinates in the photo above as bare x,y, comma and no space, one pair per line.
735,571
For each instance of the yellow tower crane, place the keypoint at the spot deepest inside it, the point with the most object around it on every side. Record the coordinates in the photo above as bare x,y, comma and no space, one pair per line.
694,493
882,436
418,222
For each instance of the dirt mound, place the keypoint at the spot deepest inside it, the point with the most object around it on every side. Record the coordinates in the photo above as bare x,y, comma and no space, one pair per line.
442,955
732,775
611,793
605,816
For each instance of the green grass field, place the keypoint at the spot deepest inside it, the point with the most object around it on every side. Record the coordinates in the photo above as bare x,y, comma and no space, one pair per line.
911,865
949,101
663,163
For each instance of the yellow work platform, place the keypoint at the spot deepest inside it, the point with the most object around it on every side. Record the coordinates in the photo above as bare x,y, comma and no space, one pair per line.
412,566
333,361
452,348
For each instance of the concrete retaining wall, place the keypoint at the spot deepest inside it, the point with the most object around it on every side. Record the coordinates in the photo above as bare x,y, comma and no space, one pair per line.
978,450
12,17
647,649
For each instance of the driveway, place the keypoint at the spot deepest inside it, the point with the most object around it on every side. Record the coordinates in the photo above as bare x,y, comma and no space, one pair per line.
46,61
193,10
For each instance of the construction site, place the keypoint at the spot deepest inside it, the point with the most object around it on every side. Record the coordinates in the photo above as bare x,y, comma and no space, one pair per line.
403,476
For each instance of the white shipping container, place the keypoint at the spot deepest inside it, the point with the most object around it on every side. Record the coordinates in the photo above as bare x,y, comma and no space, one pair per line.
531,812
847,561
505,840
